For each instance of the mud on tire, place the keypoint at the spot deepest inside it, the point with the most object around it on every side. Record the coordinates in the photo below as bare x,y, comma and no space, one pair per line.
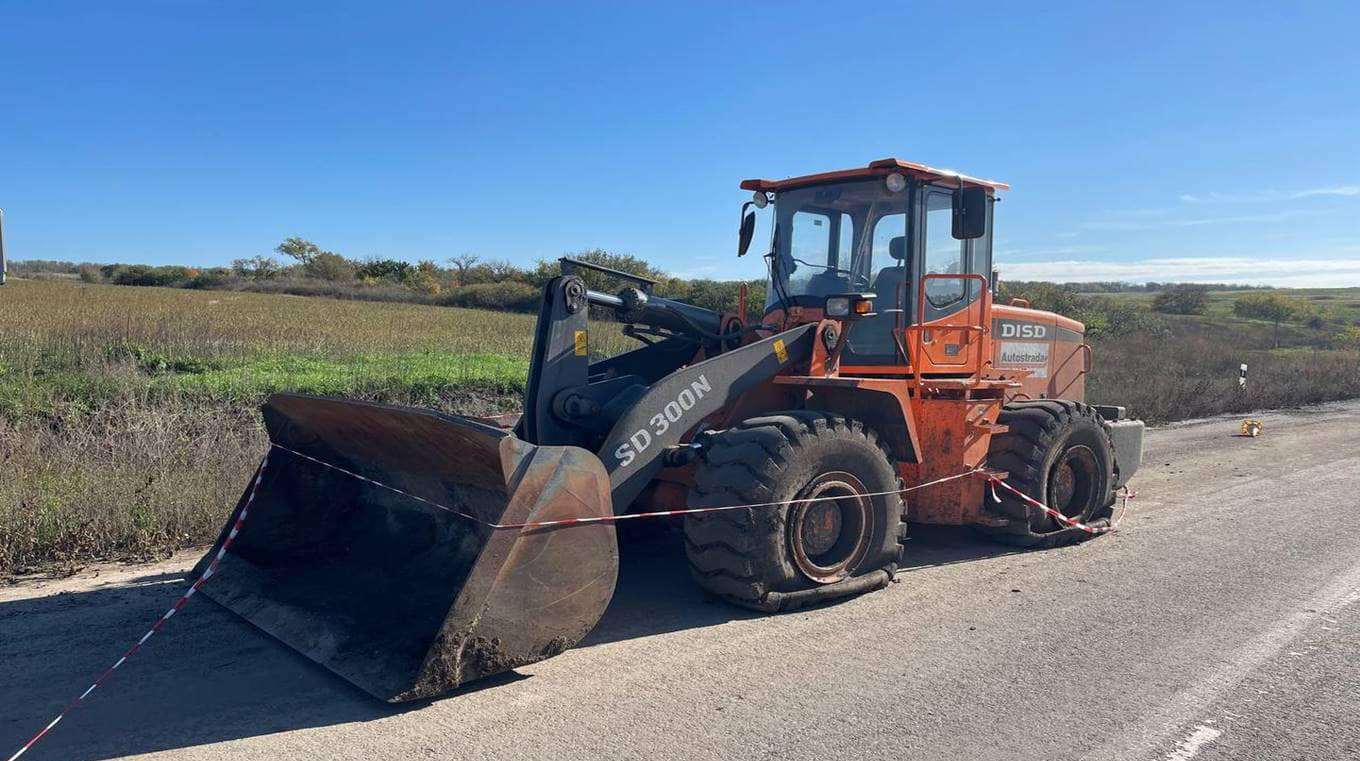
1059,453
787,556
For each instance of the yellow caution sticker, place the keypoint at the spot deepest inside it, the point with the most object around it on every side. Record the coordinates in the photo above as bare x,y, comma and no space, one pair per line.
780,350
582,344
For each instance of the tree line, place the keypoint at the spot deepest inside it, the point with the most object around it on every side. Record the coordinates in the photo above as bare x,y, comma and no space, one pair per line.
300,267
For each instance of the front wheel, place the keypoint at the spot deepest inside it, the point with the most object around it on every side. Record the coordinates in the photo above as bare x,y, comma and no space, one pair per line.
836,531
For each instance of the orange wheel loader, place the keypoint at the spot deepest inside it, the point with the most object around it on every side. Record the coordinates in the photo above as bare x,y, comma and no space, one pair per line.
878,364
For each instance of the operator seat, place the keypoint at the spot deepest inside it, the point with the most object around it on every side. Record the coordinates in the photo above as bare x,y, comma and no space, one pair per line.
873,336
889,281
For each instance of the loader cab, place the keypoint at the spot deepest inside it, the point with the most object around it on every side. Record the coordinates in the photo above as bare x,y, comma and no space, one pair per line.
879,230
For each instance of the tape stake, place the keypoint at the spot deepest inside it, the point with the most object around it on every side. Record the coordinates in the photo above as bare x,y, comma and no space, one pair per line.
184,598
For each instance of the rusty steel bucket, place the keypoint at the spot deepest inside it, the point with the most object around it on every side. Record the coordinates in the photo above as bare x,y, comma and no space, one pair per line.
402,598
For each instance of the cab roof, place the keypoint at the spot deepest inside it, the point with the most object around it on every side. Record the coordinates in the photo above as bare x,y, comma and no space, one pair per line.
880,168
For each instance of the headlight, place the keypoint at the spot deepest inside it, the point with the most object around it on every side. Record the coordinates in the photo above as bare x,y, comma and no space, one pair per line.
896,183
853,306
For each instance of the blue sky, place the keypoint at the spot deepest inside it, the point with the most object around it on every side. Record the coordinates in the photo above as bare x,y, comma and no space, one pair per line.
1144,141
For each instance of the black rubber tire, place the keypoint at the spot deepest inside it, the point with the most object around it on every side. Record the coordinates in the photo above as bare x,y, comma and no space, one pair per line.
744,556
1044,434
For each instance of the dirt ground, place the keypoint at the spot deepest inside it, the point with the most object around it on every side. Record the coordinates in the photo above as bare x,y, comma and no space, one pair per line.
1220,621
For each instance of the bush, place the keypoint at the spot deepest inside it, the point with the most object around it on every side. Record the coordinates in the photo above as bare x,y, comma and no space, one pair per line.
547,270
511,296
1049,297
1348,338
389,270
1182,299
1274,307
1103,316
424,278
257,267
90,273
212,278
141,274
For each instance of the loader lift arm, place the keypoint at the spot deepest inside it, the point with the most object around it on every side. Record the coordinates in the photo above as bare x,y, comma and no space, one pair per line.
629,409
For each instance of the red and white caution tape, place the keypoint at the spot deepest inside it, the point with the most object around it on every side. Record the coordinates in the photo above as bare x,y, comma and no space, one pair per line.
184,598
609,518
993,482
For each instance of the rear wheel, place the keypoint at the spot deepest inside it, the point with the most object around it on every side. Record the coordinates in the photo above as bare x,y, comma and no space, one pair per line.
1059,453
831,540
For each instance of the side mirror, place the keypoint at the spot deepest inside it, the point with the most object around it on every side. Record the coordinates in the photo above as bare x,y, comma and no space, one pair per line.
996,282
748,229
970,213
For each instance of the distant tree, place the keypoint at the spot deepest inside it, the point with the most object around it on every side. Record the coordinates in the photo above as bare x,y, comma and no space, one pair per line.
1348,338
463,262
1182,299
424,278
328,266
500,270
257,267
1050,297
1274,307
304,251
391,270
546,270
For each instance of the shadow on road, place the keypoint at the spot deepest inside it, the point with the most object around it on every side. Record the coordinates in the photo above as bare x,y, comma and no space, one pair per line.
209,677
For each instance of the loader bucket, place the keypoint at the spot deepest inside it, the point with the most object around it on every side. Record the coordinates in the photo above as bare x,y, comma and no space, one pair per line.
403,598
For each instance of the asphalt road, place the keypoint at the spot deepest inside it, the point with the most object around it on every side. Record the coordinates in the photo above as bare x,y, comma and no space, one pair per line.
1220,621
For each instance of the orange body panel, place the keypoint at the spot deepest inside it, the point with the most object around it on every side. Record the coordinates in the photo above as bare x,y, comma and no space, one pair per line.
971,363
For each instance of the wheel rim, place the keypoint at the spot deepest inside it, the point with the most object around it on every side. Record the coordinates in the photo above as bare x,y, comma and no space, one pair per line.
830,527
1072,481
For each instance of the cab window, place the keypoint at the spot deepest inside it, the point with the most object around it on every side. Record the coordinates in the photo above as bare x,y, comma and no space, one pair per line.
944,254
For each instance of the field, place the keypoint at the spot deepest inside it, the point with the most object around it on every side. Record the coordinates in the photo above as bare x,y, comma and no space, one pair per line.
1337,304
128,419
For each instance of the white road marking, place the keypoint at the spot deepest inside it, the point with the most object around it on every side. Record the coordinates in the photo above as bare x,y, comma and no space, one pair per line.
1140,740
1189,747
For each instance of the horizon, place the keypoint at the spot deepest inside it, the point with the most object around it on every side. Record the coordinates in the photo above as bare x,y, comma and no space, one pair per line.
195,135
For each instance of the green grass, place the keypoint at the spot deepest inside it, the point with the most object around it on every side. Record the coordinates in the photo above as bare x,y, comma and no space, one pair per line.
418,376
129,416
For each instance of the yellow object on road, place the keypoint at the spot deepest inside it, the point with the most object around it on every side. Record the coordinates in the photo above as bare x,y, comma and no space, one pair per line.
1251,427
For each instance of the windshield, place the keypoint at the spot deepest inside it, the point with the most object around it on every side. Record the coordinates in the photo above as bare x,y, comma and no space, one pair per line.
828,239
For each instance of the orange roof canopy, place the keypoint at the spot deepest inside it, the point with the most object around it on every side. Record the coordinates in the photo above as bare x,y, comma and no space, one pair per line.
880,168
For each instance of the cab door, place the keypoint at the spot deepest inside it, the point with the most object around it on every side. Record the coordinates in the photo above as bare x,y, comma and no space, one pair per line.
947,273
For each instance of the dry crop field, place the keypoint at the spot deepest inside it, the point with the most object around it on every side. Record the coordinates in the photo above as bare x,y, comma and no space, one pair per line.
128,421
127,415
